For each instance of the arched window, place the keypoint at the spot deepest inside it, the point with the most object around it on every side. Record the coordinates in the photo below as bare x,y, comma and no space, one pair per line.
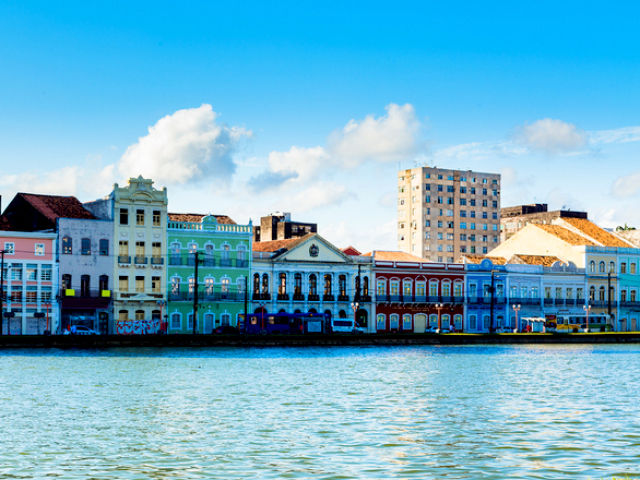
356,285
457,321
256,284
190,321
175,254
224,287
486,322
632,295
85,285
421,290
282,286
225,318
612,267
103,283
446,288
139,314
433,320
592,267
328,313
473,322
123,315
209,260
85,246
601,294
104,246
592,293
457,291
313,284
297,285
381,322
241,286
67,245
342,286
406,322
176,321
328,290
365,286
225,261
155,314
633,269
193,248
393,321
433,288
265,284
623,295
209,283
407,288
445,322
601,267
342,314
241,256
623,268
612,293
66,281
382,287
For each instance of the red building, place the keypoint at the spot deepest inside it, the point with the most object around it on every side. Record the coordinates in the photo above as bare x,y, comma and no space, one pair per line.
412,293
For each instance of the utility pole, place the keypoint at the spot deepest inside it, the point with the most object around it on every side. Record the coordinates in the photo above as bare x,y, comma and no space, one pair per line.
195,290
493,298
246,301
2,291
609,298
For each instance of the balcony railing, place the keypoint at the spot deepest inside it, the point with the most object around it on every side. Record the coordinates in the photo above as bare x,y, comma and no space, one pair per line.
242,263
314,297
225,262
298,297
261,296
630,304
207,296
208,261
328,297
558,301
124,259
283,297
157,261
84,293
343,298
141,260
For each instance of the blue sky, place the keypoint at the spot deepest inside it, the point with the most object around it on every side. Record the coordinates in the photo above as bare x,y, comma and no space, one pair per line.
311,108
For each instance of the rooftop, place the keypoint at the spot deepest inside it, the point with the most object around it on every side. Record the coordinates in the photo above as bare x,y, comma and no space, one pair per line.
476,259
387,256
274,245
197,218
56,206
5,224
544,260
597,233
566,235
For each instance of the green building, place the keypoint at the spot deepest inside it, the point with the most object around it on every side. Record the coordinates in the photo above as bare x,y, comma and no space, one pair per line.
222,251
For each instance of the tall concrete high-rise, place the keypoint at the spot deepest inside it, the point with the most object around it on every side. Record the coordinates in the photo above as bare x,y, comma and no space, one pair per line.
443,213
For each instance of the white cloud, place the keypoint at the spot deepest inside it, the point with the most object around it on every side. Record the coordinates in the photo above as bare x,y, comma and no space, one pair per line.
619,135
306,162
182,147
392,137
374,237
551,136
626,186
317,195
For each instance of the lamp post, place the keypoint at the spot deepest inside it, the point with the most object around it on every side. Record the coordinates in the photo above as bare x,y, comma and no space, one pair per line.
587,309
516,308
47,304
439,307
354,306
262,317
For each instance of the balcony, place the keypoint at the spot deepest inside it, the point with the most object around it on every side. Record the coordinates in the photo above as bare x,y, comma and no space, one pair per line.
558,301
175,260
242,263
261,296
314,297
328,297
570,302
580,301
207,296
629,304
365,298
283,297
124,260
140,260
84,293
343,298
157,261
209,261
548,302
298,297
446,299
458,300
225,262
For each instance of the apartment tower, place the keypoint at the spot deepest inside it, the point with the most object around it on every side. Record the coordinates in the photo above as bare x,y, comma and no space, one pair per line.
443,213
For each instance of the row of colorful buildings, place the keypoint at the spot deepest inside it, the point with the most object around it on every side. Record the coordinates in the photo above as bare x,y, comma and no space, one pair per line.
124,264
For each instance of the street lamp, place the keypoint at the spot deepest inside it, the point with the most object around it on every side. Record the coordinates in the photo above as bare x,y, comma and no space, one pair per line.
354,306
47,304
439,307
516,308
587,309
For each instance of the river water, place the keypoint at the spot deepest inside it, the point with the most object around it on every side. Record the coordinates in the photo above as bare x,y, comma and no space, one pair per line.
326,413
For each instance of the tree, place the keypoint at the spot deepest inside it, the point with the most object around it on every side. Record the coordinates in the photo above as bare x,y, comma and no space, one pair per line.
625,228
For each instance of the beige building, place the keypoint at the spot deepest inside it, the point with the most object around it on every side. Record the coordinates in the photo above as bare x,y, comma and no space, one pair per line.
514,219
444,213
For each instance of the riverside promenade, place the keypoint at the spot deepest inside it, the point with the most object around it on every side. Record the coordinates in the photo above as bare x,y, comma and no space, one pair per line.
109,341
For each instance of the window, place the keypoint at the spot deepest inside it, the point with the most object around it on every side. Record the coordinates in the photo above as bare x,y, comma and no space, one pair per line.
601,294
463,190
632,296
140,284
327,285
16,271
406,322
601,267
176,321
67,247
439,199
393,321
313,284
16,293
463,213
104,246
282,287
439,188
124,216
85,246
381,322
156,285
473,322
633,269
494,204
139,314
32,271
473,214
592,266
45,273
623,295
433,288
395,288
382,287
85,285
123,246
473,226
45,293
472,202
10,248
592,293
156,249
484,214
140,218
103,282
66,281
612,267
39,249
123,284
407,288
123,315
623,268
156,218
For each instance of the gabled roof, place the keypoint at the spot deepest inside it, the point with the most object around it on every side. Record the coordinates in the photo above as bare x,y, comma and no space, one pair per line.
197,218
274,245
544,260
351,251
565,235
593,231
53,207
388,256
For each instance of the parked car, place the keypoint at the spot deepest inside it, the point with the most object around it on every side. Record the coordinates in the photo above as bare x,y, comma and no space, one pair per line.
225,330
81,330
504,329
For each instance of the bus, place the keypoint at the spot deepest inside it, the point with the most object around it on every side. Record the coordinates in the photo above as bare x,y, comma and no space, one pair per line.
287,323
578,323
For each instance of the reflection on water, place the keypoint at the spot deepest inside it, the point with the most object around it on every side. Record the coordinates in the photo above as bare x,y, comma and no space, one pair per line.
328,413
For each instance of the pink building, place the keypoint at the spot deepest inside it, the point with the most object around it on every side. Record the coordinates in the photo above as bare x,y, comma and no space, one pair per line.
30,282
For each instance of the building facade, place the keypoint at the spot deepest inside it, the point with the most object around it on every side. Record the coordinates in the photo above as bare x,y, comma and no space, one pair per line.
279,226
223,251
85,258
514,219
412,295
30,277
138,213
309,274
443,213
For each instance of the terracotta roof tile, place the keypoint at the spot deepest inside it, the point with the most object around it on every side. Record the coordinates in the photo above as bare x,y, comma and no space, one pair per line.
273,245
350,251
597,233
197,218
544,260
387,256
55,206
565,235
476,259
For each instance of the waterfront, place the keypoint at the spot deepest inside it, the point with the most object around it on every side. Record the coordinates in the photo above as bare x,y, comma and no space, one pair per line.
525,411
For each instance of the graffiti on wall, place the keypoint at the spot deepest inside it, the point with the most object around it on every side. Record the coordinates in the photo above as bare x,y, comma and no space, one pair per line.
138,327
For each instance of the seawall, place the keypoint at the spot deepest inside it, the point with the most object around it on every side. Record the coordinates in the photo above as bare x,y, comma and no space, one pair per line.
113,341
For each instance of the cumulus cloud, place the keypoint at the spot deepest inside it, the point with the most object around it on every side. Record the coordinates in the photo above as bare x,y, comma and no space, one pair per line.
184,146
551,136
269,180
626,186
389,138
619,135
318,195
306,162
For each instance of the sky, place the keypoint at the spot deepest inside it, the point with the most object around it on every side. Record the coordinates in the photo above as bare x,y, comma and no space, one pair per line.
248,108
